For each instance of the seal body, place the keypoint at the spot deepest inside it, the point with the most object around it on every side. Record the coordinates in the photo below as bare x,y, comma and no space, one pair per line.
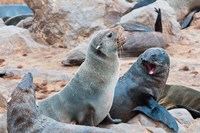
24,116
141,86
187,98
88,97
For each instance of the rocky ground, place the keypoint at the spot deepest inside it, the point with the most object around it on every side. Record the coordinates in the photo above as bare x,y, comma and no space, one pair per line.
50,75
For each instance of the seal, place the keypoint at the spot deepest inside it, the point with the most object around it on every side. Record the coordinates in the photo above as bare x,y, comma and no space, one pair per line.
141,86
140,3
87,98
187,98
24,116
16,19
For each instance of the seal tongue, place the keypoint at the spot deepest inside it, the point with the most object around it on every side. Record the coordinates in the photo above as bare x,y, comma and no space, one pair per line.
151,68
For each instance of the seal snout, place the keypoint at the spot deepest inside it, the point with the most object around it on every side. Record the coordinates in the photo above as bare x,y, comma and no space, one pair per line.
118,31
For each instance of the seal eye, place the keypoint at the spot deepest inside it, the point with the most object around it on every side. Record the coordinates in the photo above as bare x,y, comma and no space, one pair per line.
109,35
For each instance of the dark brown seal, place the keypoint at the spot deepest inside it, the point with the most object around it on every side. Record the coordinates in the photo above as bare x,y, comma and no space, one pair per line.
88,97
178,96
141,86
24,116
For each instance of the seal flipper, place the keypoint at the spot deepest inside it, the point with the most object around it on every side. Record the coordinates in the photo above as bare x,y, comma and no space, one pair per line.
140,3
158,113
110,120
187,20
158,24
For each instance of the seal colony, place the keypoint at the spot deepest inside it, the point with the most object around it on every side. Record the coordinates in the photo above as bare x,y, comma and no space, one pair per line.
141,86
88,96
23,116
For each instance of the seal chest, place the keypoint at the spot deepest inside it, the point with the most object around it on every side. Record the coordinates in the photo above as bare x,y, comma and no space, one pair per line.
88,97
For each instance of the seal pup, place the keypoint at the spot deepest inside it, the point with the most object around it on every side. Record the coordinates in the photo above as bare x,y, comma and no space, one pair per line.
141,86
24,116
88,96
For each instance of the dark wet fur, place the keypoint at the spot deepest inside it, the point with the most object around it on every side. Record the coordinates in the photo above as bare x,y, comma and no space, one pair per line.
158,24
132,89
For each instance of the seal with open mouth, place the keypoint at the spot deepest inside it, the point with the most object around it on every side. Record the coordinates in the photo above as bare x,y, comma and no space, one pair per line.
141,86
88,97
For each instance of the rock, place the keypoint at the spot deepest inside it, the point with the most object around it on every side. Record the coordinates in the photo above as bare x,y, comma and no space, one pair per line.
76,56
1,22
3,123
147,16
182,116
26,23
14,39
69,22
6,87
3,104
194,127
125,128
44,76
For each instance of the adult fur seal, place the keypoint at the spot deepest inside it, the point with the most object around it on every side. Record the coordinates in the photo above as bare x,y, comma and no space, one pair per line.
141,86
24,116
178,96
88,97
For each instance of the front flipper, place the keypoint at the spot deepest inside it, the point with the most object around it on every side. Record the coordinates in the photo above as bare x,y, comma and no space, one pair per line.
109,120
158,113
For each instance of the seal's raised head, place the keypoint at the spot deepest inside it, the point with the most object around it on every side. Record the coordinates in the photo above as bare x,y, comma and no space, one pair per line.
155,61
106,42
22,106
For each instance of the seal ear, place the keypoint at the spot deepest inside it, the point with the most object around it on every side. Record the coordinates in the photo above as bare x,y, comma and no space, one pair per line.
158,113
99,46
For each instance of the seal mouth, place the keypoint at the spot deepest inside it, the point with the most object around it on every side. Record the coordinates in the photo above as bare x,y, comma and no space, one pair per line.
150,67
120,37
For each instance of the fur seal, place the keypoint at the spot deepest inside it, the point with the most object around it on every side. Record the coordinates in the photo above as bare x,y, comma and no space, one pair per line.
178,96
24,116
11,10
88,97
16,19
140,3
185,9
141,86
